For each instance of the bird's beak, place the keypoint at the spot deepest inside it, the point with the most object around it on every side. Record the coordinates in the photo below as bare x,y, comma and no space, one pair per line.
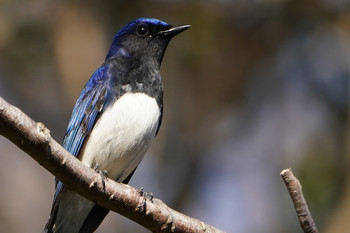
174,30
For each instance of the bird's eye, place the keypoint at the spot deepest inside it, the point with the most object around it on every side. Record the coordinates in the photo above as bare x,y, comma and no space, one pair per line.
142,30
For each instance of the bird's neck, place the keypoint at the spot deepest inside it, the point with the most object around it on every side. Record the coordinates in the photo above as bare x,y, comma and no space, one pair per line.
116,51
136,75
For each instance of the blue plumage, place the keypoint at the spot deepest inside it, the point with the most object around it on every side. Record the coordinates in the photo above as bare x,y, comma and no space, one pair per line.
114,120
90,103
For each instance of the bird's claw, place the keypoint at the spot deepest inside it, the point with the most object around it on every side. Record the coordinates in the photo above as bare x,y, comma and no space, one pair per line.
103,174
145,195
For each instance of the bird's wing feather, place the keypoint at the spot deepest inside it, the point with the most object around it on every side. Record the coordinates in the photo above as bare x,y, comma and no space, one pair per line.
90,104
88,107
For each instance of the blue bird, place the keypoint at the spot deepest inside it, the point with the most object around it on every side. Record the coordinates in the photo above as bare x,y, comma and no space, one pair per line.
115,118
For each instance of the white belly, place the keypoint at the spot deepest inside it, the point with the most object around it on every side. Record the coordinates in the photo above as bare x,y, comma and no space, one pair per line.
122,135
117,144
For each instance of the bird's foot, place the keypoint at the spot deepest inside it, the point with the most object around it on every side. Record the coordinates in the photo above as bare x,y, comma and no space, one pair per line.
145,195
103,174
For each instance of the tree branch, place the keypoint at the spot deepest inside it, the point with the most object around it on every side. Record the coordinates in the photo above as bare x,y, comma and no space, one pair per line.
295,192
34,139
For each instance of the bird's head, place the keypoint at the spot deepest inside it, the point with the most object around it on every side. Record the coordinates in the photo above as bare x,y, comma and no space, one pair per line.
144,38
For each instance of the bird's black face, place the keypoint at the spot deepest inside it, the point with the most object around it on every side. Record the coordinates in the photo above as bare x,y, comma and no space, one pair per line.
146,38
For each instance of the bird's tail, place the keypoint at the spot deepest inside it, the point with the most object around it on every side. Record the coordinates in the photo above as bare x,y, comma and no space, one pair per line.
49,225
52,219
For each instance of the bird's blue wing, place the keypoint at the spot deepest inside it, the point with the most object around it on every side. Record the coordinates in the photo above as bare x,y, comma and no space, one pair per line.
86,110
90,103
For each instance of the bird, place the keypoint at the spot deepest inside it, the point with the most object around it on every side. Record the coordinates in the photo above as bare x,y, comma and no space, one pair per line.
115,119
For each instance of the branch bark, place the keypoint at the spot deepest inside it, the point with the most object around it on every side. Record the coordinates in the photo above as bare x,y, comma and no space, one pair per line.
295,191
35,139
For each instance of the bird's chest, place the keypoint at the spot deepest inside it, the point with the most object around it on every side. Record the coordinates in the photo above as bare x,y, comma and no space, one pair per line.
122,135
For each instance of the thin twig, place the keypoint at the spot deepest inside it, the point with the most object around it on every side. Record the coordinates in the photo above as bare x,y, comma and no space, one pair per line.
35,139
295,190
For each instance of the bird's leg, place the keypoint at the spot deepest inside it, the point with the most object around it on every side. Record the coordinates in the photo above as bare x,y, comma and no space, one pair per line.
145,195
103,174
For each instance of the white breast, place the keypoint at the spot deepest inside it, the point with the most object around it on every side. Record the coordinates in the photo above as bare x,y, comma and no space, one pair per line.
122,135
116,144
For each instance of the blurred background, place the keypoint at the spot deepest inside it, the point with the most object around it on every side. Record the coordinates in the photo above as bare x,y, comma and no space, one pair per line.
253,87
